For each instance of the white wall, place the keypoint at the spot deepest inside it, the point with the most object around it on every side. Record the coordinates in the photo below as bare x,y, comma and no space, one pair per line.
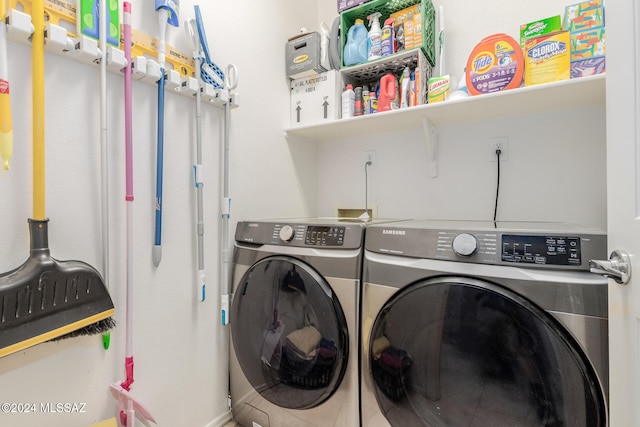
179,346
556,161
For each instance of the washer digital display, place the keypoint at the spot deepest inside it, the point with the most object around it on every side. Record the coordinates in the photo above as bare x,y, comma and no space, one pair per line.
544,250
318,235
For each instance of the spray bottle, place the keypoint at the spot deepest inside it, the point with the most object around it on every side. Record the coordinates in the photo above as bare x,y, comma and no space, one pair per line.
387,39
375,36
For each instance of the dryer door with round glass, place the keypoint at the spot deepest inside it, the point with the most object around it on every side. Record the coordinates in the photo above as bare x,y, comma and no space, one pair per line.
289,332
456,351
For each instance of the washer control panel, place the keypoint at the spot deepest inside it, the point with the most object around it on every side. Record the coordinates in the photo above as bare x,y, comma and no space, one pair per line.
322,235
550,248
546,250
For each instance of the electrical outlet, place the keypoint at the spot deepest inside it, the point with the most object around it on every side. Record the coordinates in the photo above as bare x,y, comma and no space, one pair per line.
498,143
370,156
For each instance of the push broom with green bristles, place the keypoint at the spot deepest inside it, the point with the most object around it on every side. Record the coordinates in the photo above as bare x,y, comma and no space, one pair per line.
46,299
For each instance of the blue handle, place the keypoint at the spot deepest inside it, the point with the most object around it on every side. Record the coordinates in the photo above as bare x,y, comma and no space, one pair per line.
159,159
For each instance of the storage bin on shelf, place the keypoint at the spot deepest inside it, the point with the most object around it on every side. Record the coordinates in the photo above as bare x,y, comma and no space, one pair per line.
386,8
370,72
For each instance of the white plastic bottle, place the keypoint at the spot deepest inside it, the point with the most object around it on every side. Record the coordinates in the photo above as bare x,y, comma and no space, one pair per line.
375,36
405,84
348,102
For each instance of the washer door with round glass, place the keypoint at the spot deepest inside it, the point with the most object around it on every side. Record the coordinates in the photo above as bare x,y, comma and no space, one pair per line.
289,333
463,352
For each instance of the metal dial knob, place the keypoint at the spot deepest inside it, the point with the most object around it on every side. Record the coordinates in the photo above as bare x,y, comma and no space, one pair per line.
287,233
465,244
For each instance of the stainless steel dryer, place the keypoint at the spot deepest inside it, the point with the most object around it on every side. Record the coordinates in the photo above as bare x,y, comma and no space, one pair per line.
294,317
476,324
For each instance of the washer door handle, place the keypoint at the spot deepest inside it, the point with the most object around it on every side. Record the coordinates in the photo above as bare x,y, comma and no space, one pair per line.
617,268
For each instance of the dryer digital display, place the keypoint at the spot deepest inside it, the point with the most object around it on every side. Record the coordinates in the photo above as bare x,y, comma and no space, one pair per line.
545,250
317,235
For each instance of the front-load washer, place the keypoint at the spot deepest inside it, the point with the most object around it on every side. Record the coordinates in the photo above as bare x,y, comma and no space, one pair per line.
294,322
483,324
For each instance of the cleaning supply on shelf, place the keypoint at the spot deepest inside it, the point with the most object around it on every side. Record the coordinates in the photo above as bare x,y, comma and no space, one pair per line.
358,109
348,102
366,99
405,83
438,89
375,36
387,39
388,93
413,94
495,64
373,103
548,58
356,47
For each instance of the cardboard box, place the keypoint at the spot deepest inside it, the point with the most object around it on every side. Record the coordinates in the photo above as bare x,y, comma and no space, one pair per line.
302,55
407,25
587,44
349,4
584,16
316,98
539,28
588,67
547,58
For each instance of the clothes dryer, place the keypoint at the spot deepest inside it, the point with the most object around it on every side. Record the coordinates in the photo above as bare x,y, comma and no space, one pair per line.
294,322
483,324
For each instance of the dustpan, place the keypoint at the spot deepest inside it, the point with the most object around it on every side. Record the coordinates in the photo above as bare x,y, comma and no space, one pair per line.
44,298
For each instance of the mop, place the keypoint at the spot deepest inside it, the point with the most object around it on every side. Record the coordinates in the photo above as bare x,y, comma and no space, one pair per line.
128,406
231,82
167,14
44,298
6,130
198,169
106,336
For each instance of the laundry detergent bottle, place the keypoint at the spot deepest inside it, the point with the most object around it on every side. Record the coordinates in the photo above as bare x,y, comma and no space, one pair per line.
388,91
356,49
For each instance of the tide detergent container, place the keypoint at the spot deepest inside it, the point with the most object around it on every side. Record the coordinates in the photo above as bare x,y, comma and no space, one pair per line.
495,64
356,48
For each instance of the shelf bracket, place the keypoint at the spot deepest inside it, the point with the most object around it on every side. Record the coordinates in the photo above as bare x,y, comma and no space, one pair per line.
432,145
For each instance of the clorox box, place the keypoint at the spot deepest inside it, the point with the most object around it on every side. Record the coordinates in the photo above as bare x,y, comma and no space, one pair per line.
316,98
547,58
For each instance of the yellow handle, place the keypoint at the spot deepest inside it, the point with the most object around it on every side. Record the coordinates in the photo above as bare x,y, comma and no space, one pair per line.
37,51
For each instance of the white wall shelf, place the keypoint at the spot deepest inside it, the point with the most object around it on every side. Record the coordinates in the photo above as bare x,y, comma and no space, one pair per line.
561,95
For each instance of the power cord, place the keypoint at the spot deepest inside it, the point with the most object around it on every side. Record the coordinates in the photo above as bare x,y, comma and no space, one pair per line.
366,188
495,210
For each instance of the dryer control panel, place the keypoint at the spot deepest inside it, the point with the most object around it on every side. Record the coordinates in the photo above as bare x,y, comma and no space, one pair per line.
317,235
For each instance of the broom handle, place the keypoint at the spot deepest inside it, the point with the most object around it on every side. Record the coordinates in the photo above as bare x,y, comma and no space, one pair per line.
37,50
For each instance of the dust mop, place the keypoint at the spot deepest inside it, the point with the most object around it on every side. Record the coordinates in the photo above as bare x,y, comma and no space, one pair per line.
6,130
104,152
128,406
192,37
213,75
167,14
44,298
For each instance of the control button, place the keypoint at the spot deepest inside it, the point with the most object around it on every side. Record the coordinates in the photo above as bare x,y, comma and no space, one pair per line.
287,233
465,244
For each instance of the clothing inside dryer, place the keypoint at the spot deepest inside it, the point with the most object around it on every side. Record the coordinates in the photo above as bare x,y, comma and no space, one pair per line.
461,352
289,333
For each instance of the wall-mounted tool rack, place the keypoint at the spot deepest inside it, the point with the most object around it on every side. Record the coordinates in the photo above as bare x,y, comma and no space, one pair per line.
60,40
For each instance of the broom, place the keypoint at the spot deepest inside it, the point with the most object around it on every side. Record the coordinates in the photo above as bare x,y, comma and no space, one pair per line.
44,298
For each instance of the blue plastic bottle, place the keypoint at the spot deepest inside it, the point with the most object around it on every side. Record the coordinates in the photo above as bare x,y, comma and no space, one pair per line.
356,48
